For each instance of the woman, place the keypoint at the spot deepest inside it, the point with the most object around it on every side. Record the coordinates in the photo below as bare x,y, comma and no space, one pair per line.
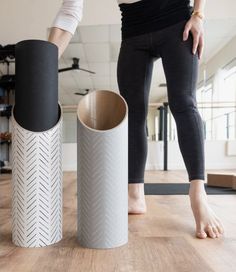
173,31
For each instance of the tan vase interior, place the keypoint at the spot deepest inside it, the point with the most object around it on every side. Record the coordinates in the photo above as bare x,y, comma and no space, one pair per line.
102,110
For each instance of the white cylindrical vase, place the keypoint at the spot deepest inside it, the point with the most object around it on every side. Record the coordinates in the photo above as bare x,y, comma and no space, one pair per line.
102,173
36,185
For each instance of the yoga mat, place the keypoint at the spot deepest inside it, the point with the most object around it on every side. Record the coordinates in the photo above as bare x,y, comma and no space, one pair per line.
182,189
102,171
36,96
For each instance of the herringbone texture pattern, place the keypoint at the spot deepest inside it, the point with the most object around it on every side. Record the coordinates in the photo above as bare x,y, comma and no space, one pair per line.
102,186
37,186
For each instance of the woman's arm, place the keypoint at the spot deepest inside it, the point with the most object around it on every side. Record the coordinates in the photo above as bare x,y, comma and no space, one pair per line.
65,24
61,38
195,25
199,5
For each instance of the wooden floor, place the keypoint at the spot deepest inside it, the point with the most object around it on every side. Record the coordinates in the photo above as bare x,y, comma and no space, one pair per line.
161,240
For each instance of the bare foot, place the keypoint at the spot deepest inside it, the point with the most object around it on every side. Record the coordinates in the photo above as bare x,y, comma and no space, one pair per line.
137,204
207,223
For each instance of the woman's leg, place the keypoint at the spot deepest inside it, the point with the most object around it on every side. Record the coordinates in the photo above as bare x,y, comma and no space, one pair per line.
181,70
134,71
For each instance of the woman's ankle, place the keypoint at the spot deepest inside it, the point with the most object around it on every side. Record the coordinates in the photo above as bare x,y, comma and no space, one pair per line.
136,190
197,189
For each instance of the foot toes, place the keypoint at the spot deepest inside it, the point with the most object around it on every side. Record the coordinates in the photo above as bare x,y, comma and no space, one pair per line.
215,229
211,232
220,227
201,234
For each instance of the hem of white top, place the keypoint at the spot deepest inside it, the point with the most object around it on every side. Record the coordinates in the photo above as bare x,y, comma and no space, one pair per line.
65,22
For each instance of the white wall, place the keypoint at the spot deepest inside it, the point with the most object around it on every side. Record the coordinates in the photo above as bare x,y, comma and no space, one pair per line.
69,157
215,156
152,113
69,128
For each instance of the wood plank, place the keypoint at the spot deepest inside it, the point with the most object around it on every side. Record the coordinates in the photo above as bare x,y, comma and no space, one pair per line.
161,240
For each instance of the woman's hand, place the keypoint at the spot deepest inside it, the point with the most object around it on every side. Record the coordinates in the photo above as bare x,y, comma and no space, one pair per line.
195,25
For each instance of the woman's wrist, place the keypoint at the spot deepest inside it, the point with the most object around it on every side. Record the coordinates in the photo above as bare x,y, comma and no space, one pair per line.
198,13
198,9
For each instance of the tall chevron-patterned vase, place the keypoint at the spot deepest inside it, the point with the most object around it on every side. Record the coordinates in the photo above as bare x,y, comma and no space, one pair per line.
36,185
102,173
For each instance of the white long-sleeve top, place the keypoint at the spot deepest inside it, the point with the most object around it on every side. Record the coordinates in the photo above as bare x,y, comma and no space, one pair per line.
71,12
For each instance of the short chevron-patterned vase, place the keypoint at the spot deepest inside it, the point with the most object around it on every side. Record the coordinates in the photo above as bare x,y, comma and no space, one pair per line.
102,173
36,185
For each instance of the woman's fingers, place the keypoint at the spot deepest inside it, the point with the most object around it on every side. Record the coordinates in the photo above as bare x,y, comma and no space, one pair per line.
200,46
195,26
195,42
186,31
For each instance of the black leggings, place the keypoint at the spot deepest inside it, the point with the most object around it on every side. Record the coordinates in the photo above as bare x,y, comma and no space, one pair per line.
134,72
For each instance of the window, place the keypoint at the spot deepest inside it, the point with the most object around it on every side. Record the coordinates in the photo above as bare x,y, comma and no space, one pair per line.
217,106
204,98
172,128
224,114
230,95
